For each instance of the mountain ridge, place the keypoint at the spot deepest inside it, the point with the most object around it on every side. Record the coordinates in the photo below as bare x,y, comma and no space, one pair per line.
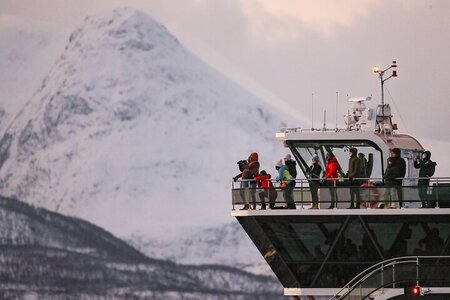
120,125
48,255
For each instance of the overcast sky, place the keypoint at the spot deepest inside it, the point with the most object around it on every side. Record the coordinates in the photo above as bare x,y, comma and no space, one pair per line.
289,50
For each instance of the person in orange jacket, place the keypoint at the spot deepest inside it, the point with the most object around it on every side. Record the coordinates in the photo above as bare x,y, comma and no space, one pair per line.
263,180
248,175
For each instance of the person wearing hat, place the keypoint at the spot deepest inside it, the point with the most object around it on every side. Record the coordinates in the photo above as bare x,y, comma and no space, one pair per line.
353,172
288,181
313,173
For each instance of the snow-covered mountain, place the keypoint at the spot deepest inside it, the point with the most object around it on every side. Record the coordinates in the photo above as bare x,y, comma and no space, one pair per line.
132,132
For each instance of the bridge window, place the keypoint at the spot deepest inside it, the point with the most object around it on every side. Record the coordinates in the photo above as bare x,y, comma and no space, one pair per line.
304,151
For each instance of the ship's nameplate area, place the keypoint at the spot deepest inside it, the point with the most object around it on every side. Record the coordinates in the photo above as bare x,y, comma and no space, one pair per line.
327,248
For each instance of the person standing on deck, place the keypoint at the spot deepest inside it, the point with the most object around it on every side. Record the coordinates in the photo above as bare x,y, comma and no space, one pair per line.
399,166
390,195
313,172
250,170
263,180
426,169
288,181
354,172
253,166
331,175
363,167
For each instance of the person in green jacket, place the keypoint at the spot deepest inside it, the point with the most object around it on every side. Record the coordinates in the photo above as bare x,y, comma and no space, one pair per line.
286,179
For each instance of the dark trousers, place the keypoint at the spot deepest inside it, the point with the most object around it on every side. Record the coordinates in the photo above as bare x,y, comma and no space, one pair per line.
268,193
423,195
333,193
314,195
288,195
354,194
400,195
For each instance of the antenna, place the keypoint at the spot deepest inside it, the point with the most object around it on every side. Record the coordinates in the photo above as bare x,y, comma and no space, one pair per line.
336,117
324,120
312,111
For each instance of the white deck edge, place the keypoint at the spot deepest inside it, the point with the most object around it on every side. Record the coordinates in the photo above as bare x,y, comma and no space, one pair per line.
311,292
339,212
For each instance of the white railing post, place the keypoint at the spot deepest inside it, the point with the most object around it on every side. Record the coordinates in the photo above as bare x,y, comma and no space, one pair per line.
301,193
417,272
393,276
437,193
232,194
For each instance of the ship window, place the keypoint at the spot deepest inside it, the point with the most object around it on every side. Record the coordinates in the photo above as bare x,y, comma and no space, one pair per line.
304,151
328,251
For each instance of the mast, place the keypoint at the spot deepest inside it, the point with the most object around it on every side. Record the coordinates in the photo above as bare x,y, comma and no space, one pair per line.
380,73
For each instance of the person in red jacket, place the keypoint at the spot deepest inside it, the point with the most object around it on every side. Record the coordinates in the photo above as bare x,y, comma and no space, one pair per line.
331,175
263,180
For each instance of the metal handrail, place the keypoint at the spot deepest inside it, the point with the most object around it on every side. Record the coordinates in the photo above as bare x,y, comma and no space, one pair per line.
436,180
369,272
372,193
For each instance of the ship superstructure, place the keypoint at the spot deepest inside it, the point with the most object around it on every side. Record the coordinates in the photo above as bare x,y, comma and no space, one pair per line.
317,251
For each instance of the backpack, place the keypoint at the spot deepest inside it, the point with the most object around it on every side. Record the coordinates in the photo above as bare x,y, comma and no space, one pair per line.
291,165
433,168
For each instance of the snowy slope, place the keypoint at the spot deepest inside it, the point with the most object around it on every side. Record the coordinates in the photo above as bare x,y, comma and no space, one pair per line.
132,132
28,50
45,255
225,245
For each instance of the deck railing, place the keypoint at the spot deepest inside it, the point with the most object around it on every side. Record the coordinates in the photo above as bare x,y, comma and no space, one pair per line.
401,272
370,192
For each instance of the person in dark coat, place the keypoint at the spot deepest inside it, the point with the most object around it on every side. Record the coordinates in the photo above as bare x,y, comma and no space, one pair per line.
313,173
363,166
354,172
390,194
393,176
400,167
426,168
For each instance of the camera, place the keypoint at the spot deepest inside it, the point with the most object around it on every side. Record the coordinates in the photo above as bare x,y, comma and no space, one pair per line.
242,165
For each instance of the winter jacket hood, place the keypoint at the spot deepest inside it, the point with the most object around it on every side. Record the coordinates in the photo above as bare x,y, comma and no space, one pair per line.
331,168
254,156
